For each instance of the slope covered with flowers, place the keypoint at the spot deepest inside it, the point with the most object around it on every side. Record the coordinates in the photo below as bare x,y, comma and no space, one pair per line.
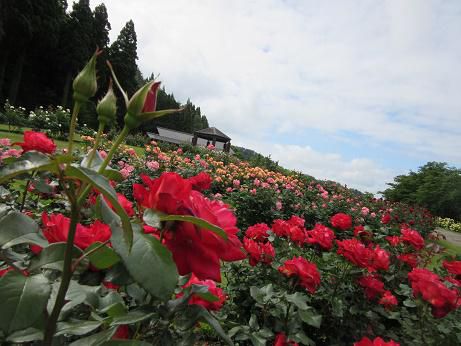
293,260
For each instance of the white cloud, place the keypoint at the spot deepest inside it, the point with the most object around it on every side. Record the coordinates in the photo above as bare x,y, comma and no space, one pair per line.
389,71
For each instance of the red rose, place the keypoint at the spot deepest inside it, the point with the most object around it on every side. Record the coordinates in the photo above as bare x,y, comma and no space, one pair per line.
356,252
409,258
169,194
199,251
453,267
216,291
430,287
380,259
297,234
372,285
393,240
281,228
257,232
376,342
341,221
386,218
281,340
306,271
388,300
4,271
259,252
150,103
37,141
412,237
122,332
201,181
321,235
295,220
56,229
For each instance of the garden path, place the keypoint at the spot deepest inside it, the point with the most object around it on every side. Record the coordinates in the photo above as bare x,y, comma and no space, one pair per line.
452,237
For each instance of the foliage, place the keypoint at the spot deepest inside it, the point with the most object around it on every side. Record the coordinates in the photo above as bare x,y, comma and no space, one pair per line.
447,223
435,186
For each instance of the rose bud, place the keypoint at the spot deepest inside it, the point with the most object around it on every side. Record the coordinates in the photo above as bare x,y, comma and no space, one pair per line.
107,107
85,84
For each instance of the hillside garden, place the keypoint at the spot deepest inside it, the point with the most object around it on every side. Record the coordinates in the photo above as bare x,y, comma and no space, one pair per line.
102,244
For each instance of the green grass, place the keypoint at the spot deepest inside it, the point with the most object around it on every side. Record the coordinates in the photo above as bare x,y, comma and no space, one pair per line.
18,137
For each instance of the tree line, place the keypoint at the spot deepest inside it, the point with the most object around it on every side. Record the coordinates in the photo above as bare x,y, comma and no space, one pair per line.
435,186
43,45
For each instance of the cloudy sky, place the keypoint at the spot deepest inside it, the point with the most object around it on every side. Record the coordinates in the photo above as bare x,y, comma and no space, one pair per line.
353,91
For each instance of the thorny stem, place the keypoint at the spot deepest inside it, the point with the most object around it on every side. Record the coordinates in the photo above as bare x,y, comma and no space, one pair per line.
65,279
73,124
23,201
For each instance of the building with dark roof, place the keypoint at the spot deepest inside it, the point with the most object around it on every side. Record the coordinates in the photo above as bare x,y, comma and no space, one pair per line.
202,137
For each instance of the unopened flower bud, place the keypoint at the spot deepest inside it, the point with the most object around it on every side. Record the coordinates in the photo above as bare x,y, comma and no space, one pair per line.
85,84
107,107
143,101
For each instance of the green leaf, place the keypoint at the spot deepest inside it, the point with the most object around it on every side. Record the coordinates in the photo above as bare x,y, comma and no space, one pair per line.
310,317
302,338
149,262
298,299
52,257
23,300
26,335
126,343
409,303
152,218
17,228
103,186
30,161
208,318
196,221
103,258
262,295
76,294
109,173
77,327
131,317
96,339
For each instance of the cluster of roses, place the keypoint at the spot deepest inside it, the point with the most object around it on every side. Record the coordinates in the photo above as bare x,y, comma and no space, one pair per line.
374,288
282,340
195,250
256,243
294,230
430,287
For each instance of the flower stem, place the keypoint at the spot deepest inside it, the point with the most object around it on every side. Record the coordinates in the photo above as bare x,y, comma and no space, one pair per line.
24,195
73,123
65,278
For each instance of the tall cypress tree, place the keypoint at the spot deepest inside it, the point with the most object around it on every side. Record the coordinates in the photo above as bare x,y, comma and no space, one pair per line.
123,55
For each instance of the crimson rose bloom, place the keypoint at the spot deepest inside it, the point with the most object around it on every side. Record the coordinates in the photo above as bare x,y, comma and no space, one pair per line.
169,194
341,221
453,267
281,340
56,228
356,252
306,271
122,332
393,240
259,252
201,181
257,232
409,258
388,300
412,237
380,259
372,285
376,342
386,218
216,291
321,235
37,141
430,287
199,251
281,228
